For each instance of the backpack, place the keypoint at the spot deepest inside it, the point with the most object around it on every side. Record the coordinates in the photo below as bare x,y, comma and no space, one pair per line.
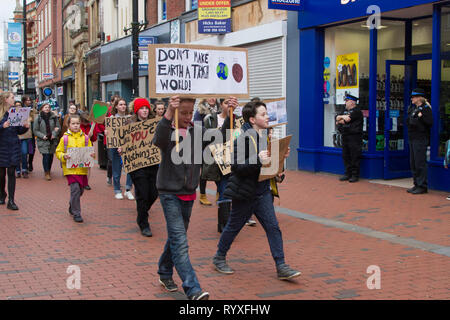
66,140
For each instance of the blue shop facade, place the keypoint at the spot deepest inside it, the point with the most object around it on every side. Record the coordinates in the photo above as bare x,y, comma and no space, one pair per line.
378,50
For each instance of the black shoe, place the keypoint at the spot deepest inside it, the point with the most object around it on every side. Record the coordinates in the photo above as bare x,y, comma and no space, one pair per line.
12,206
30,167
199,296
410,190
146,232
353,179
18,175
168,284
344,178
420,191
2,201
284,272
87,187
78,219
221,265
3,198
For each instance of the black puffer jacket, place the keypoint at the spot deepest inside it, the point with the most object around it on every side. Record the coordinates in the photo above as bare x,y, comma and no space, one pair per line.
243,182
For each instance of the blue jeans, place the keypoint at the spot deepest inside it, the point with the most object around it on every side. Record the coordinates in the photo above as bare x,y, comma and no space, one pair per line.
47,161
241,211
117,171
221,186
177,214
24,151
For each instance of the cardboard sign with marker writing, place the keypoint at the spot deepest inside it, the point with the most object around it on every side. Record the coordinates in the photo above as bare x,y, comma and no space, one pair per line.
117,129
139,151
197,71
98,111
80,157
18,116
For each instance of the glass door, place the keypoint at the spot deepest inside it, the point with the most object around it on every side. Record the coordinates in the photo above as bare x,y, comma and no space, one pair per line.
401,77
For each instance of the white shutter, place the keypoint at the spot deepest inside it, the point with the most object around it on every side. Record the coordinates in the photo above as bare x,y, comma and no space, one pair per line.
266,63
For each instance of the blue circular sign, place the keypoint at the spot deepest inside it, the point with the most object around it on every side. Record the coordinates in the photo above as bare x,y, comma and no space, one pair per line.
327,62
48,92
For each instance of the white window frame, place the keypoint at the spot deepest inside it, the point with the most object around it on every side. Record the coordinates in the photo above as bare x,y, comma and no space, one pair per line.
189,5
49,16
160,12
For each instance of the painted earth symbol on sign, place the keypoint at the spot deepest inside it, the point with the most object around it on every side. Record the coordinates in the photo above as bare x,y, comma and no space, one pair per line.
222,71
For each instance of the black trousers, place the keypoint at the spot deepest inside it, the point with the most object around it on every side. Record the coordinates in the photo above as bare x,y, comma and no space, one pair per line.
351,153
418,161
11,172
144,181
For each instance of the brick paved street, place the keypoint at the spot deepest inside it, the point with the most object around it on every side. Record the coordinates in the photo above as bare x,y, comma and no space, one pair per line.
333,231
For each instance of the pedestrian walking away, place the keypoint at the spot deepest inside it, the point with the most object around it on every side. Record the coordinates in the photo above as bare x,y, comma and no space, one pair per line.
419,123
119,109
250,196
177,184
76,177
46,128
350,125
10,154
144,179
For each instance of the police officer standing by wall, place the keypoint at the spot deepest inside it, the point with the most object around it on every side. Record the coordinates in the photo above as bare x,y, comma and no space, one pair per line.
419,122
350,125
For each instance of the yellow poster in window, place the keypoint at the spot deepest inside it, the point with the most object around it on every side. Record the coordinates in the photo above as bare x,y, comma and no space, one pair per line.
347,76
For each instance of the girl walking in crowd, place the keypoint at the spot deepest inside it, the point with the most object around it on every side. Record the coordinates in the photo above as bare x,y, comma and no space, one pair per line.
144,179
160,108
250,196
10,154
76,177
26,147
71,110
46,128
205,107
119,110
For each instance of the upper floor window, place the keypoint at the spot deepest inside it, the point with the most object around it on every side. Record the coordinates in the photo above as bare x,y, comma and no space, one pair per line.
162,10
191,5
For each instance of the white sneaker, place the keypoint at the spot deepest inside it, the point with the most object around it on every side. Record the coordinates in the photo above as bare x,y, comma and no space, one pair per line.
129,195
118,196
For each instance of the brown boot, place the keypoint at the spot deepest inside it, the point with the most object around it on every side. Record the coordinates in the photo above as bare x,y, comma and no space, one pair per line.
47,176
204,200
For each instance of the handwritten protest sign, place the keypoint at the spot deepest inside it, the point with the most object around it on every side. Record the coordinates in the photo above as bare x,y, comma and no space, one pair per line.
98,111
139,151
18,116
278,148
80,157
222,156
197,71
117,128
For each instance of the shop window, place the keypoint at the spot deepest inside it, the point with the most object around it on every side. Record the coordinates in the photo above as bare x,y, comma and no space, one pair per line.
422,34
346,69
444,107
191,5
162,10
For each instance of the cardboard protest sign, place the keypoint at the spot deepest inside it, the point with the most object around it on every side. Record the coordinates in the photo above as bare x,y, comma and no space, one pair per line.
139,151
117,129
80,157
18,116
98,111
222,156
278,148
197,71
276,109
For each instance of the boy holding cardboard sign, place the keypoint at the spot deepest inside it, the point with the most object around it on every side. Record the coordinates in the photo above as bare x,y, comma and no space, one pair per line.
250,196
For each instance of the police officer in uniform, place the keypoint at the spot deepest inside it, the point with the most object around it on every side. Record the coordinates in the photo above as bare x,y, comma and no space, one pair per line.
350,125
419,122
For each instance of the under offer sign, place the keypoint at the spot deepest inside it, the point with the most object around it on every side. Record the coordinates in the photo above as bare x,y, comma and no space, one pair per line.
197,71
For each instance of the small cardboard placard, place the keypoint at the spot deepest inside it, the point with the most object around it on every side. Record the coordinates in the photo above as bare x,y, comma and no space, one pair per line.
116,128
222,156
280,148
197,71
18,116
80,157
98,111
139,151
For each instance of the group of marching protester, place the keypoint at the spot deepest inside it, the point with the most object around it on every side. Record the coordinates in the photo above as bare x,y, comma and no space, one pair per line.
240,193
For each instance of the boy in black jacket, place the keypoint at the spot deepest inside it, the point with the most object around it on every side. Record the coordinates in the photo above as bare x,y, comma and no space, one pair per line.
177,184
250,196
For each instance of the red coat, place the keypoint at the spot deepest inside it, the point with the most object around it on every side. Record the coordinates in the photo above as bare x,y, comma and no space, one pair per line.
97,129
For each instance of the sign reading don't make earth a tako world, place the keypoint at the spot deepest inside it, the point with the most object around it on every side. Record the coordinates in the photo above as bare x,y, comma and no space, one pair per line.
197,71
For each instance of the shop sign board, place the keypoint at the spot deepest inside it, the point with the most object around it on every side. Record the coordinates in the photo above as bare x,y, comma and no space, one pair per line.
290,5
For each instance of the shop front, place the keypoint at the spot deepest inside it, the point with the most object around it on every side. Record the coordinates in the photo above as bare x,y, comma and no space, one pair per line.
378,50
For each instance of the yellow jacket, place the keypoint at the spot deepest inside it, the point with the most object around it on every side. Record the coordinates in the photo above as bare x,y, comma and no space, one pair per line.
75,140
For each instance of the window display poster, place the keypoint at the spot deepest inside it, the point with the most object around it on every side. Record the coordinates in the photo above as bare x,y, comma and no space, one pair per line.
276,109
214,16
347,79
197,71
